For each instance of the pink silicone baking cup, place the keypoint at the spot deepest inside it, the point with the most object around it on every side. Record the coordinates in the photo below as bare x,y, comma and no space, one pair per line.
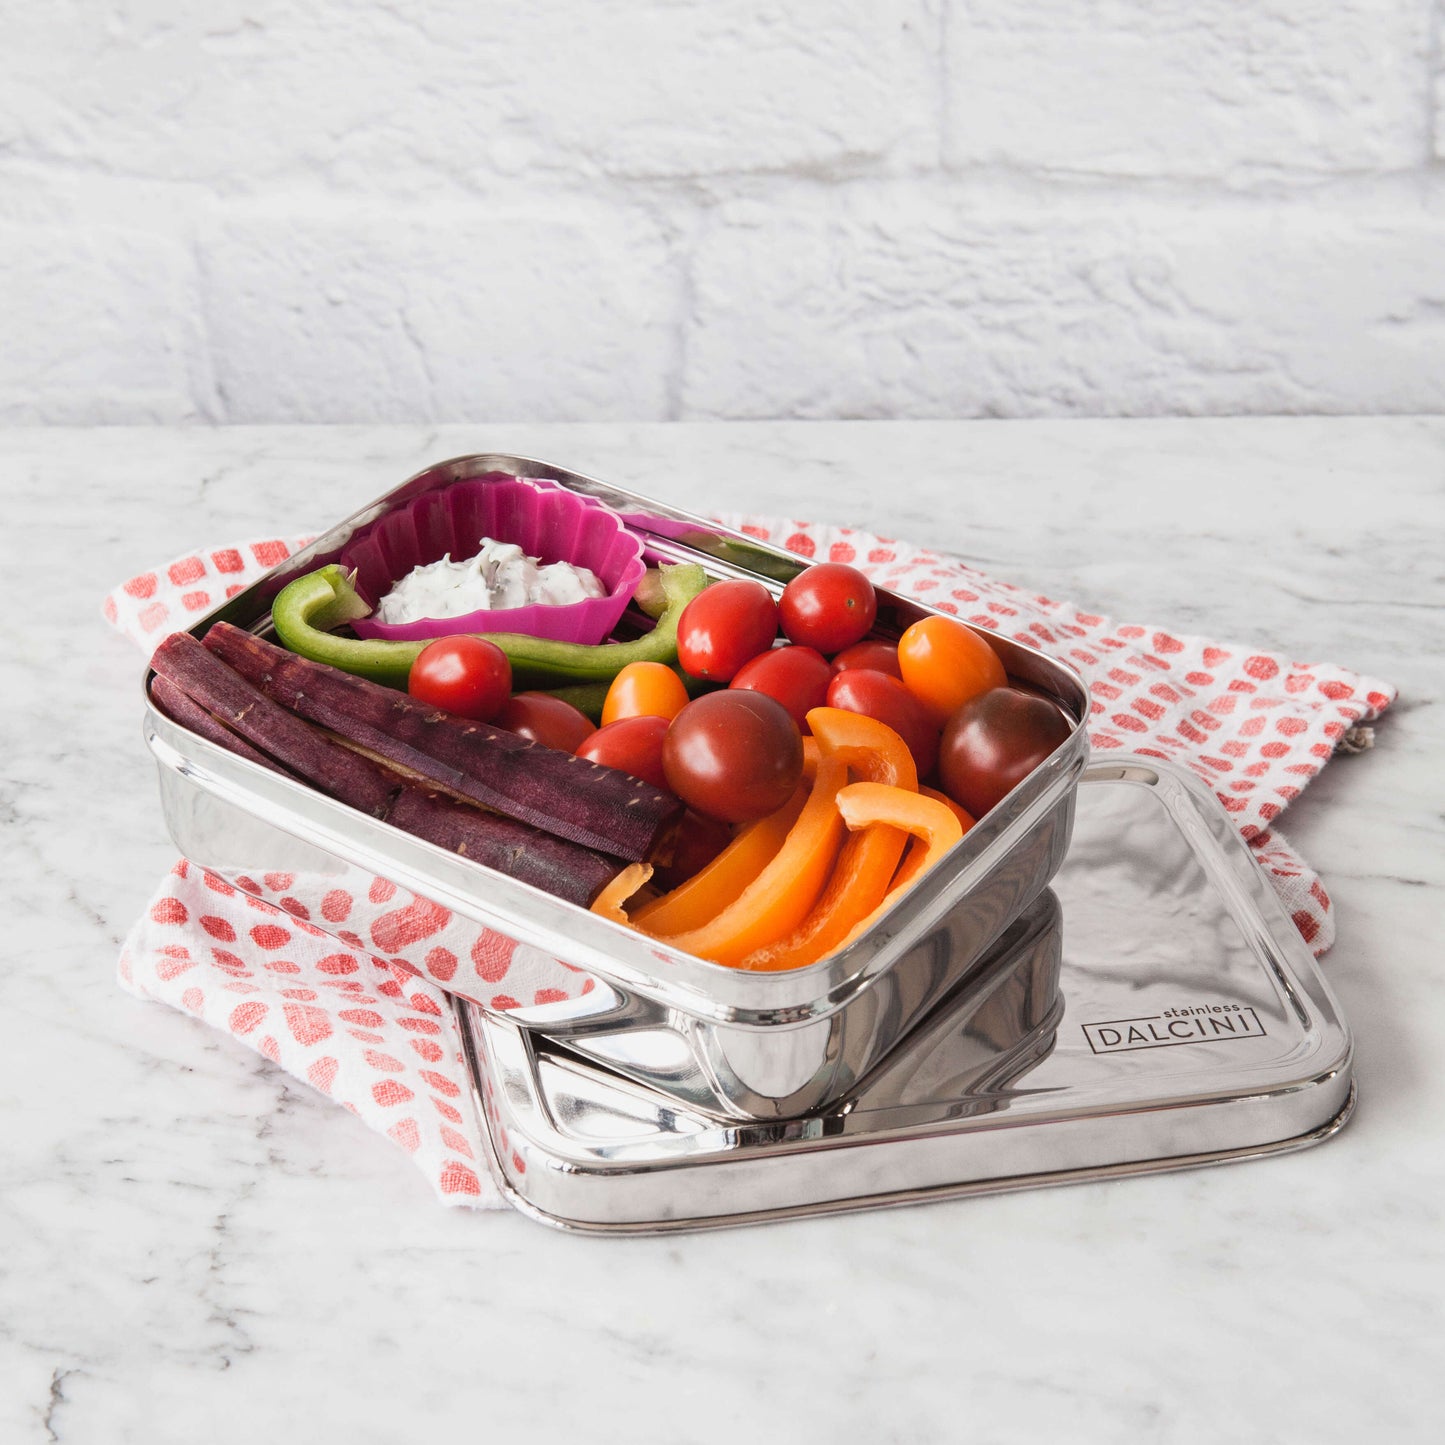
545,520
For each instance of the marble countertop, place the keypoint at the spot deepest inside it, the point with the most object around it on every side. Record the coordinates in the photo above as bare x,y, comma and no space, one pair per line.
196,1247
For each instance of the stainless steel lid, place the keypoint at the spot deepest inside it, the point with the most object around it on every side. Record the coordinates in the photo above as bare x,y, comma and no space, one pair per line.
1157,1011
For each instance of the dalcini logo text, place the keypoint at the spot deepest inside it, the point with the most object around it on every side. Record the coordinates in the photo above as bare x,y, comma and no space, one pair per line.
1195,1024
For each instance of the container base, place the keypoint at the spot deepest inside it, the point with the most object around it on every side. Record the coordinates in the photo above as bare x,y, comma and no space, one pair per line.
933,1195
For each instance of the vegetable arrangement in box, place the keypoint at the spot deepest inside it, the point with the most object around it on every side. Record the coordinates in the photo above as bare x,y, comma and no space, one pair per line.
767,779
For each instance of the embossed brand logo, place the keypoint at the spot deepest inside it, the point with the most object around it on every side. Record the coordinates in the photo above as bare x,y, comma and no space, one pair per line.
1196,1024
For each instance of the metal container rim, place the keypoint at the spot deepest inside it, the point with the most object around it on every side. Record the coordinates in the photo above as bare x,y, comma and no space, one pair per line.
627,960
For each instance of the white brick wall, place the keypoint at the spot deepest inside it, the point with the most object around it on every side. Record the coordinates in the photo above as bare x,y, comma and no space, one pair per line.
916,301
1185,88
338,210
549,312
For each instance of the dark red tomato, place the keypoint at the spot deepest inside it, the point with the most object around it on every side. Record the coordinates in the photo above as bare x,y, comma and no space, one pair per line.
699,840
880,656
724,627
830,607
734,755
993,742
546,720
796,676
860,689
631,745
465,675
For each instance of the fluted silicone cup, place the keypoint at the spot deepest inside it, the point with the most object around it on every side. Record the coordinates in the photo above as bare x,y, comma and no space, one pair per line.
545,520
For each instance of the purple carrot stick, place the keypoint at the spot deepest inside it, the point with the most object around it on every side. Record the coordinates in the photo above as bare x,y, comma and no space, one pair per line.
202,693
527,854
581,801
182,709
207,681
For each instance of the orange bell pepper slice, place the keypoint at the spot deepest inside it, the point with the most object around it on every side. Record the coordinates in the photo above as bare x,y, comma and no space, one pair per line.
866,804
719,883
866,865
913,860
811,754
965,818
868,746
779,898
609,903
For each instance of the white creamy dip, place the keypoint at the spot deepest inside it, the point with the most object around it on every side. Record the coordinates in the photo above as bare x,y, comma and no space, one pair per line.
499,577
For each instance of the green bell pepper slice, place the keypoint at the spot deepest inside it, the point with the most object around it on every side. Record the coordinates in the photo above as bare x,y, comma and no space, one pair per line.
306,610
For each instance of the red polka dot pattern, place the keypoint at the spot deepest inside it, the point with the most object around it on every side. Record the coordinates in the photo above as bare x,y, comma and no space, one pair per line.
146,607
388,1051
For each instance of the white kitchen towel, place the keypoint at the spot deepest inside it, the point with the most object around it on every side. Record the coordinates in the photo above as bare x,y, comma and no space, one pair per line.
340,981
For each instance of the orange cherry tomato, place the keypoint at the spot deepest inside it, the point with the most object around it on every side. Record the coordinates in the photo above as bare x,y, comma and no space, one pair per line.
945,663
644,689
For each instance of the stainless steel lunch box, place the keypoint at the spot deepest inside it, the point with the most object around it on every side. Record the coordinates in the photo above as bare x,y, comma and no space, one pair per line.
731,1043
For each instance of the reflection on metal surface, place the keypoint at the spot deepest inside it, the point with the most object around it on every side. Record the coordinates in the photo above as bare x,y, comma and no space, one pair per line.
1158,915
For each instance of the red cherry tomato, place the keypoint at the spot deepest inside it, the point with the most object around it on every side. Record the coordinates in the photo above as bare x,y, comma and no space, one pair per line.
631,745
830,607
734,755
546,720
465,675
644,689
724,627
699,840
880,656
993,742
945,663
860,689
796,676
